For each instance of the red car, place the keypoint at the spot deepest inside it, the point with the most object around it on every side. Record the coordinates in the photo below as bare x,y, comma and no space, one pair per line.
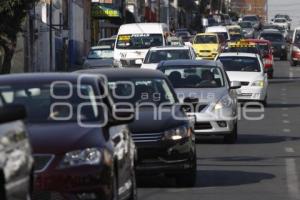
267,52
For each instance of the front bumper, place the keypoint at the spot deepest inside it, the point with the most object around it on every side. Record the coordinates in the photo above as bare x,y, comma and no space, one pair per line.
165,156
252,93
75,182
295,56
210,123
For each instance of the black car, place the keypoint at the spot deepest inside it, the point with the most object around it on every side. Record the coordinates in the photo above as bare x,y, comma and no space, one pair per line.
81,149
16,162
279,44
161,131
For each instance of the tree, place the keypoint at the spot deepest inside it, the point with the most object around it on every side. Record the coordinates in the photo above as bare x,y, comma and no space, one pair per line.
12,15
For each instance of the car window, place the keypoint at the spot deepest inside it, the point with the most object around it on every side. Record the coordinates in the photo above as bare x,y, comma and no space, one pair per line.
101,54
206,39
245,25
44,103
250,18
156,56
272,37
139,41
138,91
239,63
194,76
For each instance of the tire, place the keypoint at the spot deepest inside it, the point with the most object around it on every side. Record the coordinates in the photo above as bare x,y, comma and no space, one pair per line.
233,136
115,192
294,63
133,195
283,58
265,102
270,75
2,187
188,179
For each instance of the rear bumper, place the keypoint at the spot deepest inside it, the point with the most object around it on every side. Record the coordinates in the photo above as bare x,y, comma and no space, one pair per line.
252,94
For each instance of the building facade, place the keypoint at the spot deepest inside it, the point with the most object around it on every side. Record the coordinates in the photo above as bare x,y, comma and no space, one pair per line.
245,7
58,35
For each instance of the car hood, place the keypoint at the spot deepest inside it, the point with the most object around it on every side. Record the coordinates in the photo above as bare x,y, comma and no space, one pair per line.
211,47
146,123
244,76
99,62
205,95
149,66
61,138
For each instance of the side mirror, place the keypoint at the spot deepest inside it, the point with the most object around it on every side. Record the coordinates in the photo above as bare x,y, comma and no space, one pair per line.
235,85
139,62
12,113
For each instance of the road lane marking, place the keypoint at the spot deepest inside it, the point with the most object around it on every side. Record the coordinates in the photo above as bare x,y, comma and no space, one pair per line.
283,89
292,178
283,94
291,75
286,121
284,109
289,150
285,115
287,130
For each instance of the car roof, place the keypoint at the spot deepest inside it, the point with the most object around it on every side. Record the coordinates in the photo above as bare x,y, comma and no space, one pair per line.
170,48
124,73
39,77
188,63
101,47
214,34
216,28
231,54
140,28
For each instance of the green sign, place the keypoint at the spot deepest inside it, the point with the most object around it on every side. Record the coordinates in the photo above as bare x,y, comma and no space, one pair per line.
101,11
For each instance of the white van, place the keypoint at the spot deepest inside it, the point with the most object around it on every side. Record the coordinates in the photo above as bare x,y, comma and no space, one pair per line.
134,40
220,30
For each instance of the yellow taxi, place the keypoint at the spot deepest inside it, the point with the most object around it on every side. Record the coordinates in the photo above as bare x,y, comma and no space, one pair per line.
207,45
242,46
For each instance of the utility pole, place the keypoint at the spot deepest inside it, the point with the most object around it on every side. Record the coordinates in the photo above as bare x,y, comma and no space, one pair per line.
50,36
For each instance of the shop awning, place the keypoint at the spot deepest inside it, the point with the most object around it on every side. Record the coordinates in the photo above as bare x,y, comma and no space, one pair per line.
103,12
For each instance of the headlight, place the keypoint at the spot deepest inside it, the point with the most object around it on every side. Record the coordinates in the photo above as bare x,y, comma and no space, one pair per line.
258,83
283,46
177,133
224,102
90,156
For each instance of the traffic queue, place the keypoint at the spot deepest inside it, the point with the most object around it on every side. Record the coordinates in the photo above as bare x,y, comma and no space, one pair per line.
138,106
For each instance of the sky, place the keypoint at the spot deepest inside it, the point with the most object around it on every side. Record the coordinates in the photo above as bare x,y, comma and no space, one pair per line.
291,7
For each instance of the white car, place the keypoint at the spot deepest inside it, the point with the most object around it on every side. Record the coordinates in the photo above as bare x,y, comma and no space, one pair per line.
99,56
206,95
157,54
249,70
282,22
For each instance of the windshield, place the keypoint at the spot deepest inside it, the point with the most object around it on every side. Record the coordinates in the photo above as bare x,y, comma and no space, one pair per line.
101,54
272,37
236,37
245,25
244,64
194,76
138,91
139,41
242,49
110,43
44,103
280,20
250,18
156,56
206,39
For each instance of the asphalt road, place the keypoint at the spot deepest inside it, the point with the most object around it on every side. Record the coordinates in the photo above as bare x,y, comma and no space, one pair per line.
263,165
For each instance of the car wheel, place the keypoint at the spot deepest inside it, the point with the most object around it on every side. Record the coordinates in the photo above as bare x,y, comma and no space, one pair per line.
294,63
188,179
283,58
271,75
265,102
233,136
133,195
115,188
2,187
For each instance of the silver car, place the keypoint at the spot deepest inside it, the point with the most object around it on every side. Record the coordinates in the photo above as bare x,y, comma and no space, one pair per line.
207,95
